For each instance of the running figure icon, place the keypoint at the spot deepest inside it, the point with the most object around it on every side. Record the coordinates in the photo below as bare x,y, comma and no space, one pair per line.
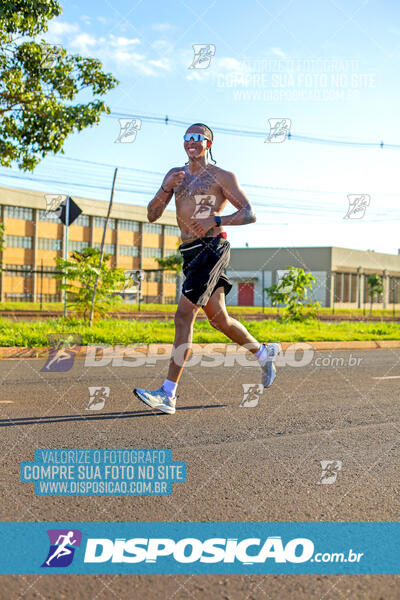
62,549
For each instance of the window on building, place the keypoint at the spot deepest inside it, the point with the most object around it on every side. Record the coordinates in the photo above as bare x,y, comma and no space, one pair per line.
22,297
19,212
152,299
108,248
170,277
82,220
394,290
170,252
339,287
153,276
172,230
74,245
18,270
49,244
99,222
152,228
19,241
366,297
48,216
49,297
128,250
47,271
353,287
346,287
152,252
128,224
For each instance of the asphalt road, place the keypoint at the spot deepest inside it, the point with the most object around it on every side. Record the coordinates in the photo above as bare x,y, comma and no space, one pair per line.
259,463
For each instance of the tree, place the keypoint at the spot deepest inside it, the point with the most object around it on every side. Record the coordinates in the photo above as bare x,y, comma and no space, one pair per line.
81,271
171,263
292,291
39,86
375,288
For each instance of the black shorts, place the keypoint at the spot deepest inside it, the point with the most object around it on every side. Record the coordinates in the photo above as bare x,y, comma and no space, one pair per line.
204,264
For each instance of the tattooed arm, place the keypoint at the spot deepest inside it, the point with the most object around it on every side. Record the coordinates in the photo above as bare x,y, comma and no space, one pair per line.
235,195
157,206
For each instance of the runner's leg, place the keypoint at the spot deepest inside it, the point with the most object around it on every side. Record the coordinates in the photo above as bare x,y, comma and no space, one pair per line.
218,317
185,316
216,312
164,398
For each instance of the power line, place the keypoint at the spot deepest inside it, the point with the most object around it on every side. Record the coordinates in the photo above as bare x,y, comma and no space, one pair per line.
247,185
143,181
145,189
151,174
257,134
274,206
92,162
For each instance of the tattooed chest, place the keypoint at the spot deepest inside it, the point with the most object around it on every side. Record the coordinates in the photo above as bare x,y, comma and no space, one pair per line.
202,183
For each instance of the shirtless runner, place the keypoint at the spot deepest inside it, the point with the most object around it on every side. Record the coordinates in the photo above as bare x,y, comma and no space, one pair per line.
201,193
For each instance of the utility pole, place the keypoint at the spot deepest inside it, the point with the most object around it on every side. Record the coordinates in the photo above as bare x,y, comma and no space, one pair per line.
102,247
41,284
66,250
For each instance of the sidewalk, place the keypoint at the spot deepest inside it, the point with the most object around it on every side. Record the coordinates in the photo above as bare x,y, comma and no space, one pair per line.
80,351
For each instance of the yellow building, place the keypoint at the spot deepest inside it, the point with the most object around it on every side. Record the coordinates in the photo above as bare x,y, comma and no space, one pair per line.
33,239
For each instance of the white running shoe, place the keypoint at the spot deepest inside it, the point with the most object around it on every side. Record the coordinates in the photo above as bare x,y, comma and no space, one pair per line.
268,368
157,399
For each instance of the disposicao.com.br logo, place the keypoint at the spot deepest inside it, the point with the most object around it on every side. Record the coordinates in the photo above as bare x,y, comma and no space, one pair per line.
63,543
248,551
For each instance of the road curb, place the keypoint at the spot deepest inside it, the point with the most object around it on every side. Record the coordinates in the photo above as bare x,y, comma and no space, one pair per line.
220,347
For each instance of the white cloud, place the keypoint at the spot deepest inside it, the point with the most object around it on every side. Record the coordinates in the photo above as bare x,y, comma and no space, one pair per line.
86,19
162,27
83,42
229,64
59,30
121,56
225,66
122,42
195,75
156,60
162,46
278,52
163,63
130,57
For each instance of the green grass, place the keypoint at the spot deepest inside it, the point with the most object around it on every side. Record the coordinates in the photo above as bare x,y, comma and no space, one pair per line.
34,333
171,308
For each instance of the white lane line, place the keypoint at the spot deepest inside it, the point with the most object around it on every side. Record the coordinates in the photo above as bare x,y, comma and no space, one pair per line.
388,377
6,402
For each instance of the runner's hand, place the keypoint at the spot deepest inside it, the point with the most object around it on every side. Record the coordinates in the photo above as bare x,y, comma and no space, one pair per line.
173,180
201,226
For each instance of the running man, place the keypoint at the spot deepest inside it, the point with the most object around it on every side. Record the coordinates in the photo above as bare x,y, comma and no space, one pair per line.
61,352
62,549
202,191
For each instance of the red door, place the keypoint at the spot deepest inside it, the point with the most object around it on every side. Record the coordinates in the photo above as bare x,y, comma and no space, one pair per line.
246,293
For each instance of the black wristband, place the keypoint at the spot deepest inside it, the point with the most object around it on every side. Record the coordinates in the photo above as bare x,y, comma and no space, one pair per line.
217,221
164,190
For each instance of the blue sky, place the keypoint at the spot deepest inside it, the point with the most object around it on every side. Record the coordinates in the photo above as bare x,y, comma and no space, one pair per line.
329,66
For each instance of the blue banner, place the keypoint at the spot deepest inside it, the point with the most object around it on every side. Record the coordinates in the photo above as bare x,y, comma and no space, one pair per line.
201,548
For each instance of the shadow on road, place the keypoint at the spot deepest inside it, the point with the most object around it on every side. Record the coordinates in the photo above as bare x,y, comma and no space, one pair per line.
98,417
